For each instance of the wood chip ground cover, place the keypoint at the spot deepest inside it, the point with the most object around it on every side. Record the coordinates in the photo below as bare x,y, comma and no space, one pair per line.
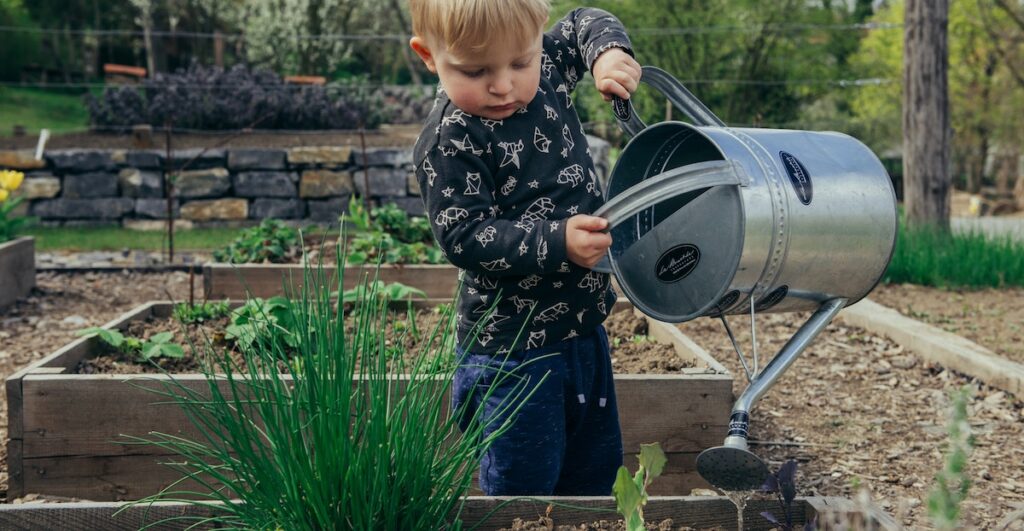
853,406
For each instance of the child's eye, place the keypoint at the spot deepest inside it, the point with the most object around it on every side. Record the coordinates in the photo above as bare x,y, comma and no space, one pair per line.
520,66
473,73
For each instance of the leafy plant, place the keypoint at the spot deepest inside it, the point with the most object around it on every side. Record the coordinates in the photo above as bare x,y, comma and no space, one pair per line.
631,492
9,226
394,291
782,483
200,312
952,482
308,450
270,241
262,321
139,351
382,247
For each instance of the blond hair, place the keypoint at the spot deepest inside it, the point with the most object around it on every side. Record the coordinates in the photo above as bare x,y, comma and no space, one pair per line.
472,25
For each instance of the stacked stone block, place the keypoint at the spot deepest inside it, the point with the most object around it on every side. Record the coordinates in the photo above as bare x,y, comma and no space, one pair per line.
215,187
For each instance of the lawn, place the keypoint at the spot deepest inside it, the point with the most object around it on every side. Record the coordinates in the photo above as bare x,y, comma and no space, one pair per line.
37,109
114,238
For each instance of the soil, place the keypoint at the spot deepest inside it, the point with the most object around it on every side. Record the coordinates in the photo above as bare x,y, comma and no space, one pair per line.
992,318
633,352
545,523
854,410
386,136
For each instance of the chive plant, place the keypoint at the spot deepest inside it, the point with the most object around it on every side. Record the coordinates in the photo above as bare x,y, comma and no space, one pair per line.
332,439
932,257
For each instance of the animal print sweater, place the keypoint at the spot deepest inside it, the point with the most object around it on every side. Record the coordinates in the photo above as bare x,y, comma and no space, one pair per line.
499,192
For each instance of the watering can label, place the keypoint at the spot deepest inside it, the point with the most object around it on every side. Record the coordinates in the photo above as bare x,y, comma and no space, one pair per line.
677,262
799,176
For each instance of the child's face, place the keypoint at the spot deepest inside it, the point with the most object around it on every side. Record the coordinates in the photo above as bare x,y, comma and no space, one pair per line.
493,83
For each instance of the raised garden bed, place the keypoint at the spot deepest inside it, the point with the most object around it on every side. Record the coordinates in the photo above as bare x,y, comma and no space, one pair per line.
64,427
17,269
685,512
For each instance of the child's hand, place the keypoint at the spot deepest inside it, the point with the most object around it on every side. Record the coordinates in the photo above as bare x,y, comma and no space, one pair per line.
615,73
584,243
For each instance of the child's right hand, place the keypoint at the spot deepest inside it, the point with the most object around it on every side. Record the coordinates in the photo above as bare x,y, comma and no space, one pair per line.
585,244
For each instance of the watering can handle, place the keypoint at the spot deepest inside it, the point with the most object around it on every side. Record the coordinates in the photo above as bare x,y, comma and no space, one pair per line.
675,92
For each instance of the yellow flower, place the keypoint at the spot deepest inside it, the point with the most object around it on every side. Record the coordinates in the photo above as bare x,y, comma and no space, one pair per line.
10,180
3,195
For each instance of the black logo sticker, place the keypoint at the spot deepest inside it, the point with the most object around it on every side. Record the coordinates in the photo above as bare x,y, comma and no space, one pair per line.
676,263
772,298
724,303
799,176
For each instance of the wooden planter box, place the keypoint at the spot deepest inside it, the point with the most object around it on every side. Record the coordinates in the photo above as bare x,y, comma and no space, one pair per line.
63,427
692,511
17,269
237,281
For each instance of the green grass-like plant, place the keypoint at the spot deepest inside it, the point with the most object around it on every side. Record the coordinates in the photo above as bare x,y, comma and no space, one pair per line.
192,313
332,439
952,482
931,257
118,238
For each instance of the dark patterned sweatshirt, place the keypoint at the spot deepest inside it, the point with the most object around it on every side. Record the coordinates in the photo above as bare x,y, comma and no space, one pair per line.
499,192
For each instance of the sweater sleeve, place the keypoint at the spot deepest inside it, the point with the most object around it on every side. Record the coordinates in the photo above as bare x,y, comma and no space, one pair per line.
576,41
458,191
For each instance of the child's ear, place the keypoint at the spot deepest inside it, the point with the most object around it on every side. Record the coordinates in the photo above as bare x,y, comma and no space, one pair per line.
419,45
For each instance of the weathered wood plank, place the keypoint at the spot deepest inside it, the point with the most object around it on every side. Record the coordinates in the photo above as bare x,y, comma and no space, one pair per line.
132,477
75,415
489,513
17,269
938,346
236,281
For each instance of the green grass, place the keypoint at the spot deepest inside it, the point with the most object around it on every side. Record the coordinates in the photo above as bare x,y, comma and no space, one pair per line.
929,257
113,238
37,109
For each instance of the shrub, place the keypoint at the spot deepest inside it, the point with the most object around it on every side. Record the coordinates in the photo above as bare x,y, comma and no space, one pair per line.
213,98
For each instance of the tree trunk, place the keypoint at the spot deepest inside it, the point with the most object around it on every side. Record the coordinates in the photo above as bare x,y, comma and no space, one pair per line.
926,128
414,74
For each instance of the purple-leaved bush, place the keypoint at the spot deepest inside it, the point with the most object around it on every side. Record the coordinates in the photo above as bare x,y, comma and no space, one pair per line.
213,98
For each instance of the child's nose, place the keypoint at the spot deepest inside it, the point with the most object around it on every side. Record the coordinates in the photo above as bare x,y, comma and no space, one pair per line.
501,85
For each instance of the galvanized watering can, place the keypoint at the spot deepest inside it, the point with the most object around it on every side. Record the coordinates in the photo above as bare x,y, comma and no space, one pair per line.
709,220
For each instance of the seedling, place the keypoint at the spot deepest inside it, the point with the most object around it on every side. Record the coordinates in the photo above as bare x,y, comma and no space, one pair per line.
201,312
270,241
265,321
159,345
631,492
393,291
783,484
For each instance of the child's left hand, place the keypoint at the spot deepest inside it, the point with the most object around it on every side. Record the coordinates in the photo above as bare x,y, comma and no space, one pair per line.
615,73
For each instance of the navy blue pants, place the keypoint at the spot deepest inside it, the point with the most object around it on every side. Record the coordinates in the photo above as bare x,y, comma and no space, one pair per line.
565,438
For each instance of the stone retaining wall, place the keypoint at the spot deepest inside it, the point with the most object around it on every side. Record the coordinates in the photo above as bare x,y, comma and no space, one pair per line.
220,187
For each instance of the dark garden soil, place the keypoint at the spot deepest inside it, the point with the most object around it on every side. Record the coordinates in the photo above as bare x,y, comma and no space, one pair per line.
548,524
386,136
632,350
854,410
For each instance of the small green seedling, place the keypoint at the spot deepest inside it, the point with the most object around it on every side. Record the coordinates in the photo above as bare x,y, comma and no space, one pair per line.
200,312
159,345
631,492
394,291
